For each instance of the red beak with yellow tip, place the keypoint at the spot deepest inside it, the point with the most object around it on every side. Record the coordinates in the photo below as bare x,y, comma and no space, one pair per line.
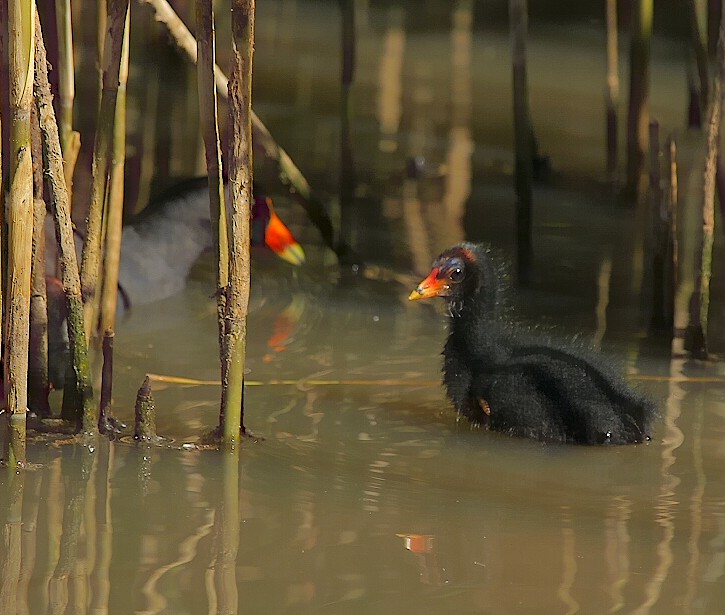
281,241
432,286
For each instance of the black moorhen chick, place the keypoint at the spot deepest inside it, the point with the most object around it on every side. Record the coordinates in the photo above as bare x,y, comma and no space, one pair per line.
513,382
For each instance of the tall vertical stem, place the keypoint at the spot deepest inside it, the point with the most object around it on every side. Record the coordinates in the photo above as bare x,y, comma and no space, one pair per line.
208,116
102,155
69,139
114,223
77,395
240,181
21,20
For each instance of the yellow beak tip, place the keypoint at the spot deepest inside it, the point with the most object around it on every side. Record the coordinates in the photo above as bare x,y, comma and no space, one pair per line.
293,254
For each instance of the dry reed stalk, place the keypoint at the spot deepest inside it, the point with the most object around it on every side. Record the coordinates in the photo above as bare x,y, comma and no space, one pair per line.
114,217
21,21
240,181
287,172
102,156
78,392
70,140
208,118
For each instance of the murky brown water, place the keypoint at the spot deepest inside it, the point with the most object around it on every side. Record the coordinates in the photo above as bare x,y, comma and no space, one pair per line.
366,495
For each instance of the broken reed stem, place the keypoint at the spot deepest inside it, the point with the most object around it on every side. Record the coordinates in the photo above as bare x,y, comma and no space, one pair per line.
523,135
612,91
638,110
287,172
145,413
696,334
21,18
208,117
106,381
78,391
38,386
114,217
102,156
240,181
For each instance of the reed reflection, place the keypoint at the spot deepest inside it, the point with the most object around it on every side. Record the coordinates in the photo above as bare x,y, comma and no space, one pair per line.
338,520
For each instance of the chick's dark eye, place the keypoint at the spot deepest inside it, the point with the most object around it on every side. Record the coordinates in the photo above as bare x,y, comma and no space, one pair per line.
455,274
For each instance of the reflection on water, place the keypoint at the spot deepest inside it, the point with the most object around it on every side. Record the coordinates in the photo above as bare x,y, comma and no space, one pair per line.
364,493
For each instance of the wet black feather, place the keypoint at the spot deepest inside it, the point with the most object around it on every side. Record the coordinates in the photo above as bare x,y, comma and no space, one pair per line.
531,386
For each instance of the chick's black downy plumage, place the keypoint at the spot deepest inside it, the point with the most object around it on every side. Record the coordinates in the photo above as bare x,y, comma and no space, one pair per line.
509,380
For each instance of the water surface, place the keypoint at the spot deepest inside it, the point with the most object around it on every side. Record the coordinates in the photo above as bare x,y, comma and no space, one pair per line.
364,494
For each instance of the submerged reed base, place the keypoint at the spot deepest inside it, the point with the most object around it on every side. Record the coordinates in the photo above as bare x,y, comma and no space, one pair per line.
145,411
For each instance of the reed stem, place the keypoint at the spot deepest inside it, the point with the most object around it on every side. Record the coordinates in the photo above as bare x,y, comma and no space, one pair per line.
102,156
240,181
208,117
104,417
70,140
114,218
78,392
21,21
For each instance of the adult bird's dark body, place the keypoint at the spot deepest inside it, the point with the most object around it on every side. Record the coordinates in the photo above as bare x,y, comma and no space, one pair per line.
159,249
160,245
501,376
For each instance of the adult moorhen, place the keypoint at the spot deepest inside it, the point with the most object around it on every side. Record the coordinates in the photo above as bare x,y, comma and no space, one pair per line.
159,248
160,245
508,380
